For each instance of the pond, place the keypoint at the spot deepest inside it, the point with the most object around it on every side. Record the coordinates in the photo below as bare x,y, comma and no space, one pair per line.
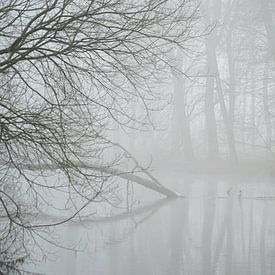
224,224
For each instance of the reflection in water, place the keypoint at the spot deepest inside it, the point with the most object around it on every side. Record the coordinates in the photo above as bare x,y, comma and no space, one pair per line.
209,212
221,226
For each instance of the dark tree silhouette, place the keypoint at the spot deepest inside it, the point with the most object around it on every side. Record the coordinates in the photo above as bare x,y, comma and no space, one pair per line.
68,70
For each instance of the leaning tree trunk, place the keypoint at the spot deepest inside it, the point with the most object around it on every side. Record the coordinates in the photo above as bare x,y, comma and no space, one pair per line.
151,183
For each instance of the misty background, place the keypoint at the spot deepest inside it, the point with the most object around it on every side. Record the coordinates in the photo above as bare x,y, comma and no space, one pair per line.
221,93
137,137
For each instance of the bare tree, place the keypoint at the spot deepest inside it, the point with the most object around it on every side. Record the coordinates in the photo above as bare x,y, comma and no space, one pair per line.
68,70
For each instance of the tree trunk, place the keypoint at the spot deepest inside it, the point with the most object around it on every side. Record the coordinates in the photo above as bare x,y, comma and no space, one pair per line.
183,124
152,184
269,25
227,123
210,118
252,110
267,116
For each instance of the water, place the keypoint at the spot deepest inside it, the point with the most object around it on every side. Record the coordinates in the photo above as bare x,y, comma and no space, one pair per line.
222,225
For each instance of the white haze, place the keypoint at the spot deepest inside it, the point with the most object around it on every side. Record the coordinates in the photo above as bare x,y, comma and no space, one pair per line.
207,133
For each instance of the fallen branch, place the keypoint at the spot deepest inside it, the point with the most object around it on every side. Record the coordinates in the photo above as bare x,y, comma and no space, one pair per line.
152,184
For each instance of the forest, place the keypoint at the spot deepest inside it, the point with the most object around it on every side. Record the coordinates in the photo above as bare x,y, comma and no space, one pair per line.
141,131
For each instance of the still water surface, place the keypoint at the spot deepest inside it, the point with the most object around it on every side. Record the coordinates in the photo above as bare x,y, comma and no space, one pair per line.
222,225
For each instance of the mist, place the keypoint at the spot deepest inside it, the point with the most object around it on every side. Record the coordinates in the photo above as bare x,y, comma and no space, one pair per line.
137,137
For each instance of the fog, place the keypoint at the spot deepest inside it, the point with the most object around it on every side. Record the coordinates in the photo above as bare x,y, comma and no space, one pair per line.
223,225
137,137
